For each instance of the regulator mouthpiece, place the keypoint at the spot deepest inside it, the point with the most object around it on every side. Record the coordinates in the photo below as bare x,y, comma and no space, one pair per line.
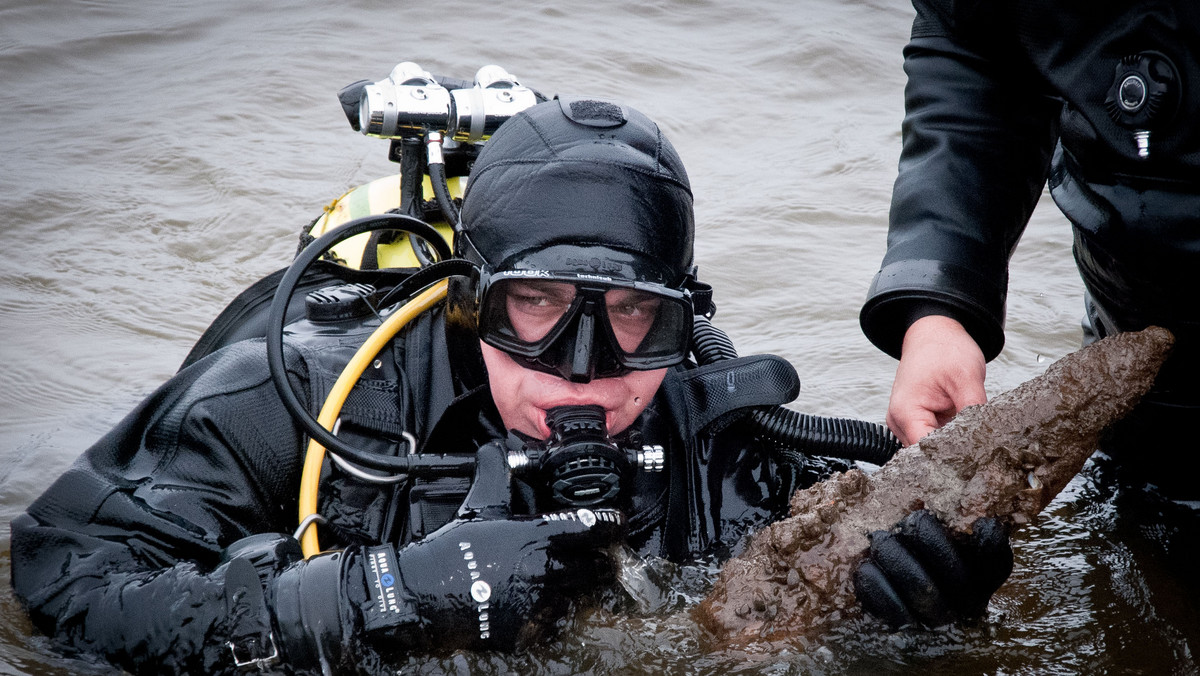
580,465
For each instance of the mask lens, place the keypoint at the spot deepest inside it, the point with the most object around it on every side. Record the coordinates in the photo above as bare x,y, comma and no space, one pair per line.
524,316
534,308
646,325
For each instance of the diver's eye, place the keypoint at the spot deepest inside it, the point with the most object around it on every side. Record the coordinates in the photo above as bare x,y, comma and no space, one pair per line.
534,308
631,314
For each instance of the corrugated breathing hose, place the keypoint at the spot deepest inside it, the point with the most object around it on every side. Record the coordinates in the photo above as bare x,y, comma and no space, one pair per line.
795,434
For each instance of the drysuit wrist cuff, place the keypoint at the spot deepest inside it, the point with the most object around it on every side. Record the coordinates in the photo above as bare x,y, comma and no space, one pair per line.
333,601
904,289
308,602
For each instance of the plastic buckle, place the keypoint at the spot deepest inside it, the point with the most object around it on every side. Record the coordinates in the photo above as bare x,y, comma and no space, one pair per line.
259,663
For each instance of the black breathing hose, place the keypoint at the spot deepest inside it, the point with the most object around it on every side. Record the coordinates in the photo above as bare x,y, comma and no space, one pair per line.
797,434
274,338
441,193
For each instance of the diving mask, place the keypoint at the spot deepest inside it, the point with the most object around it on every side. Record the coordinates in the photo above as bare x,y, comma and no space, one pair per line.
584,326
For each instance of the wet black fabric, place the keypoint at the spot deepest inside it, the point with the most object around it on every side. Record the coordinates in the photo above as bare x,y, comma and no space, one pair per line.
124,548
123,555
993,89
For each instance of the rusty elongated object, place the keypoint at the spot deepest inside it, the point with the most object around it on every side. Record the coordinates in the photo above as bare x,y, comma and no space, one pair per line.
1007,458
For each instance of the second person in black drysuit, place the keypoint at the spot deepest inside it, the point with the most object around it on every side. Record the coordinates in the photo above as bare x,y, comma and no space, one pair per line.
1099,102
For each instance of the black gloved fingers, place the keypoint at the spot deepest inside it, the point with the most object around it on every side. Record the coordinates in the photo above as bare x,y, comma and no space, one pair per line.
930,542
579,548
990,555
911,581
991,538
878,597
573,530
920,571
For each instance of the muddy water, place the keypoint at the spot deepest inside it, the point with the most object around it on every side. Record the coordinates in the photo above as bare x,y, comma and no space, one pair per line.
159,157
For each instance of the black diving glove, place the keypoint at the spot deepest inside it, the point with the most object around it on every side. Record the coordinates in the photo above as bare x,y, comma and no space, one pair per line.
919,572
488,580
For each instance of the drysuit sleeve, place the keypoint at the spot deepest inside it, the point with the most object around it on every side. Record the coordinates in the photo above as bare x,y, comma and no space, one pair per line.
978,135
121,556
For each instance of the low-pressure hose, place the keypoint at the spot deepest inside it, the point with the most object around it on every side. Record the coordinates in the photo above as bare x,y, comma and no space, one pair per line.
275,320
436,165
412,193
796,434
331,409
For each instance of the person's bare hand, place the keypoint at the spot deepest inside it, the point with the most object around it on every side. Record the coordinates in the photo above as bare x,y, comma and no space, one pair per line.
941,371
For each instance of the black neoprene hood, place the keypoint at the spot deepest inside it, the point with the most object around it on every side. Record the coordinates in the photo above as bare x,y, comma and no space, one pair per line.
588,176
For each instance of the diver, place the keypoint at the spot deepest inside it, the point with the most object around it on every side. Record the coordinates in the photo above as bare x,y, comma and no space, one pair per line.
170,546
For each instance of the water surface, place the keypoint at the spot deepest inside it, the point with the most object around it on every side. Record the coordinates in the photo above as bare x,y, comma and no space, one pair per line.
159,157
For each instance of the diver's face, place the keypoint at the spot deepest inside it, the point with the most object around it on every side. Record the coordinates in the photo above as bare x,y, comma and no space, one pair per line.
523,395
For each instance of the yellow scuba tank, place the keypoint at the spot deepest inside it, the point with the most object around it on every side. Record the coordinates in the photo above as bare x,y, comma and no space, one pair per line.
378,197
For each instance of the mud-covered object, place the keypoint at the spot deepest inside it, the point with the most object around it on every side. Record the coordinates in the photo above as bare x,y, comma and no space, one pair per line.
1003,460
126,555
591,174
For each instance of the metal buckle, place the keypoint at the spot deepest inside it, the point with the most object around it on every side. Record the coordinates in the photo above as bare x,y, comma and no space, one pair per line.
260,663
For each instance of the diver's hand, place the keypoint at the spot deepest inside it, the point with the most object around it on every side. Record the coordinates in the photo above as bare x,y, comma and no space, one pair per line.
487,580
941,371
919,572
492,580
482,583
497,584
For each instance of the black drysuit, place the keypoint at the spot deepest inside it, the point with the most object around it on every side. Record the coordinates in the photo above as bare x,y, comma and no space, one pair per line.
122,555
1005,96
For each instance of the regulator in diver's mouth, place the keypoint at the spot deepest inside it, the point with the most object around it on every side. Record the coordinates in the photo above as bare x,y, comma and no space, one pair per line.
580,465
